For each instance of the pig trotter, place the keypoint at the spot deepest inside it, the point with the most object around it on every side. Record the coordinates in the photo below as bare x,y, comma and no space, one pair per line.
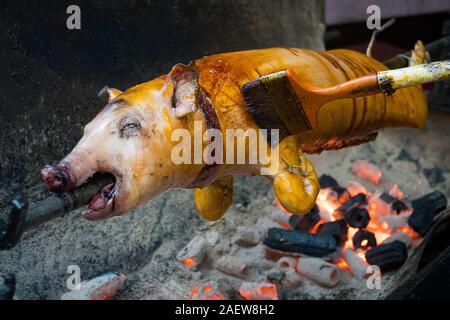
213,201
296,185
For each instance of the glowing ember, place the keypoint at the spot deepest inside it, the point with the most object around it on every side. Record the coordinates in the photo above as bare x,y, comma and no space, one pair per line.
189,262
355,188
396,192
258,291
384,222
343,265
208,291
327,202
360,253
367,171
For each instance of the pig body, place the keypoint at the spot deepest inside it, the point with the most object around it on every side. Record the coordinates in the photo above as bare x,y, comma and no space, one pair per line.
132,137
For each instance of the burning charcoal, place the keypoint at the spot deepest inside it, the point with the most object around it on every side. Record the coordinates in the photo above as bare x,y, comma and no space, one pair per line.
357,265
399,236
327,181
357,218
387,204
396,192
387,198
399,206
367,171
425,209
389,256
7,286
305,222
354,188
392,223
103,287
364,239
356,201
208,291
258,291
342,193
247,237
320,271
232,266
193,254
300,242
338,229
379,205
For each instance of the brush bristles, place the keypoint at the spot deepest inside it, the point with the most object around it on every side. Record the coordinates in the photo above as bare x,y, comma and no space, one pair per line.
260,106
273,104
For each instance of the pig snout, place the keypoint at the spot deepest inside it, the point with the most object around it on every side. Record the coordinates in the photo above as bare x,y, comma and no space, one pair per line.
57,179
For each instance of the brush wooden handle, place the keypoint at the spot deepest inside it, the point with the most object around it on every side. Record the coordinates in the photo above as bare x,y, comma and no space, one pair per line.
391,80
382,82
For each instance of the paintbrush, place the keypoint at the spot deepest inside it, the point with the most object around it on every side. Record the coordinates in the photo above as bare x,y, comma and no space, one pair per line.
281,101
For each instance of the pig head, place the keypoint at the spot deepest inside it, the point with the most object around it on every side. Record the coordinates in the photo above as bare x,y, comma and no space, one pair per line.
129,139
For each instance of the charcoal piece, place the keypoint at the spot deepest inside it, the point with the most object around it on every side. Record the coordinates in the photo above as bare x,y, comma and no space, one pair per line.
327,181
390,256
387,198
364,239
305,222
7,286
337,229
293,241
357,218
425,209
356,201
398,206
434,176
339,190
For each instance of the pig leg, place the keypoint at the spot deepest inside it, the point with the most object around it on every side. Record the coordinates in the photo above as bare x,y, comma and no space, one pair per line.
295,184
213,201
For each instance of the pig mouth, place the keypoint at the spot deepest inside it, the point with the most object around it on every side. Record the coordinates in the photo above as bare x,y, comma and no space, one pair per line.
103,204
109,196
103,201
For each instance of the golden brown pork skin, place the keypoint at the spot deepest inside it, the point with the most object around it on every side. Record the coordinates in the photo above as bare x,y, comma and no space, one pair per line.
131,136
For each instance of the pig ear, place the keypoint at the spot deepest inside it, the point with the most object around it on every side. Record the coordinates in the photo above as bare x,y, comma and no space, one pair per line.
181,87
108,93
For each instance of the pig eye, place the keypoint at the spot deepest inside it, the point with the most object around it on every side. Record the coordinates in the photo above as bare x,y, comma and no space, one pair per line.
129,129
130,126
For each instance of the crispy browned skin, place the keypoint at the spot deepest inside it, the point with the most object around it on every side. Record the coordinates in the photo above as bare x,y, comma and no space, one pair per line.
141,160
336,124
